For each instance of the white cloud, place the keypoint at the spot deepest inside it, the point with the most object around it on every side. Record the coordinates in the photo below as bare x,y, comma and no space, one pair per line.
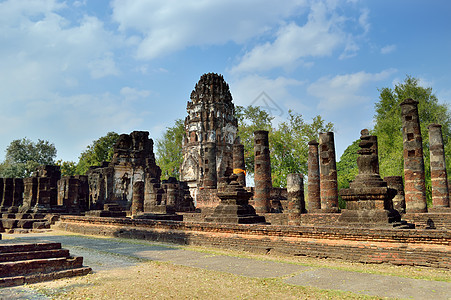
167,26
265,92
131,94
42,51
322,34
344,90
388,49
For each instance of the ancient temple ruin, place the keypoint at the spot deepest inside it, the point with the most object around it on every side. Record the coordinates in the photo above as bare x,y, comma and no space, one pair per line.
368,199
133,177
210,132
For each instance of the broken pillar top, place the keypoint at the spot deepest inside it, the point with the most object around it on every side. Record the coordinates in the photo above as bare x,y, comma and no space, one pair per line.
409,101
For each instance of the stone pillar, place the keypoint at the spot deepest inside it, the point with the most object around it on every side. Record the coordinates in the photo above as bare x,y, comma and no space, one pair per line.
399,201
296,203
210,174
439,178
18,192
138,197
328,173
262,172
314,200
415,188
1,191
239,167
30,191
8,192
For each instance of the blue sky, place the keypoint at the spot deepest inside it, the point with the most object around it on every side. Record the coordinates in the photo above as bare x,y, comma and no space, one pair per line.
71,71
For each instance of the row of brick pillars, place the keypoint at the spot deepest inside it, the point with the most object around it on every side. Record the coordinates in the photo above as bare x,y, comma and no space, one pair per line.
414,174
322,175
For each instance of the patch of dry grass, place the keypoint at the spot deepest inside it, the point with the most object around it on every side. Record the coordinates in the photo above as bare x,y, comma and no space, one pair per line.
153,280
416,272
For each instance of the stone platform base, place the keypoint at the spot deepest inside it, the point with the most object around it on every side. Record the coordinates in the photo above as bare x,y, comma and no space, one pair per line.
369,217
419,247
32,263
166,217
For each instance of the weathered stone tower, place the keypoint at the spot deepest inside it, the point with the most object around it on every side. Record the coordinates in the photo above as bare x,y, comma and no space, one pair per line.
210,131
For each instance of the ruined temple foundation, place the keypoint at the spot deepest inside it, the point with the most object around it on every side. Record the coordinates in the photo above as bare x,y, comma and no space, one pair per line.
328,173
234,206
262,172
439,178
368,199
314,196
415,186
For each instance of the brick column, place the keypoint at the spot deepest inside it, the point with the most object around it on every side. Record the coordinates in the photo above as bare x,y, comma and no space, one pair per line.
296,202
30,191
138,197
18,192
313,186
328,173
439,178
239,167
8,192
399,201
415,188
210,174
262,174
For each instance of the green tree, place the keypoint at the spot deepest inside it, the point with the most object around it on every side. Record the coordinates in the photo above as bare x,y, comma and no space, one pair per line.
289,145
99,151
347,168
250,119
23,156
388,125
288,141
169,150
68,168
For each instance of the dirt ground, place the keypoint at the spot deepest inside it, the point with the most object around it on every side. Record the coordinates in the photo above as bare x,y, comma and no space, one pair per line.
130,269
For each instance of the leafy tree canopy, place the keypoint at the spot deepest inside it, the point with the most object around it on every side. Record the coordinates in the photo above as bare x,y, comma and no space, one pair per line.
23,156
99,151
169,150
68,168
288,141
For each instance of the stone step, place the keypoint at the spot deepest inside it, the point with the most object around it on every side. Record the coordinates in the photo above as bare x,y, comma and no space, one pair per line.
18,256
25,247
403,225
34,278
24,223
35,266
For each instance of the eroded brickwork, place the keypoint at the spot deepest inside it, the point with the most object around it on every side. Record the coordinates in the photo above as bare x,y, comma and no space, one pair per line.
314,195
415,188
211,120
262,172
439,177
328,172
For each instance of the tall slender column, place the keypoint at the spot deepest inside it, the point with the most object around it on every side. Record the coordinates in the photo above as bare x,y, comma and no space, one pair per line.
262,174
8,191
138,197
18,192
313,186
239,167
415,188
210,174
439,178
328,173
296,202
